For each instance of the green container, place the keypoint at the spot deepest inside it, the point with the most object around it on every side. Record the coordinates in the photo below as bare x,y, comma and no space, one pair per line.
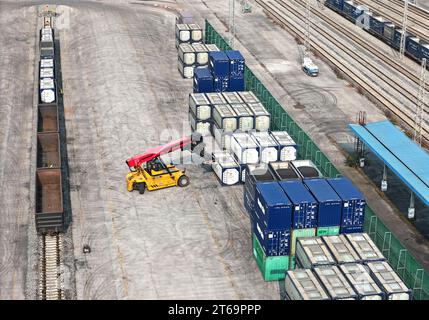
272,268
292,263
300,233
328,231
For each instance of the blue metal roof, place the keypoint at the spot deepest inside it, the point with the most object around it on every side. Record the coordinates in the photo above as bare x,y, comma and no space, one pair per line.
402,155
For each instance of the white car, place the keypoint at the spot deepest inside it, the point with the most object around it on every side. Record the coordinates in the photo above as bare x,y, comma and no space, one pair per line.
310,68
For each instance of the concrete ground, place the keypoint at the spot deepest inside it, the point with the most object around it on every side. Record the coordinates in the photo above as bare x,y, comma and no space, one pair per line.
122,95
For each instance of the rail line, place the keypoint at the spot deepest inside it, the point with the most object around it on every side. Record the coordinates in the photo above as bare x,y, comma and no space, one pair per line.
50,280
412,8
275,9
422,34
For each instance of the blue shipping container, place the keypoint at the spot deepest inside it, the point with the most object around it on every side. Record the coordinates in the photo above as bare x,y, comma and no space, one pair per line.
337,5
203,80
220,84
304,212
353,211
425,51
273,207
256,175
274,243
219,63
236,84
236,64
397,37
329,209
352,229
353,12
376,25
413,47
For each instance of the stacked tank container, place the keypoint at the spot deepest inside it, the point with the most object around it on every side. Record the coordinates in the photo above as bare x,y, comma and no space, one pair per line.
335,283
287,147
302,284
268,147
226,168
312,252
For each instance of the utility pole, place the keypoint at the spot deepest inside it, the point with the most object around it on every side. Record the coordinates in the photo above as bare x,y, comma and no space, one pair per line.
420,112
231,23
404,30
307,29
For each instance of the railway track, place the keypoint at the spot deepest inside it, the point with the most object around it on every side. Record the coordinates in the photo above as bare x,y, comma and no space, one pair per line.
422,22
412,8
282,13
50,265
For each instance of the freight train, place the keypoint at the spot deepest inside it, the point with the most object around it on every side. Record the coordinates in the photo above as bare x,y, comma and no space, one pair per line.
380,27
50,215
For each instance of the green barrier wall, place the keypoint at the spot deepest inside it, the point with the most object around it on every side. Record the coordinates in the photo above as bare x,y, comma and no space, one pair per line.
401,260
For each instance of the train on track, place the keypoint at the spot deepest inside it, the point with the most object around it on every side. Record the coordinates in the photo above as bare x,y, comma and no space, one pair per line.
378,26
50,181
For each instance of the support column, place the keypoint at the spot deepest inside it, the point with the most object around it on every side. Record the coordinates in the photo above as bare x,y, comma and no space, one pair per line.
411,209
384,179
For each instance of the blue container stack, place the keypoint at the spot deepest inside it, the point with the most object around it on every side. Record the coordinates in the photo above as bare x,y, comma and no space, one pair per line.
353,205
227,73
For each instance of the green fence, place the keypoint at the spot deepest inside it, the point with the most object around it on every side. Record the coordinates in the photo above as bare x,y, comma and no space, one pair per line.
407,267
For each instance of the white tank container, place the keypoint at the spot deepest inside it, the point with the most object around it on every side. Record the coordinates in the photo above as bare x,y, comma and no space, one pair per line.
212,47
183,33
47,83
225,117
244,148
301,284
226,168
365,247
47,63
47,96
46,73
216,98
186,71
262,116
335,283
187,54
232,97
341,249
287,146
387,279
312,252
196,32
200,106
248,97
361,281
200,126
268,148
222,138
201,54
245,117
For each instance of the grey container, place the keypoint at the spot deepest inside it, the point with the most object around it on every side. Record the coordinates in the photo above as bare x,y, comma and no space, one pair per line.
307,169
187,54
186,71
212,47
232,97
244,148
201,54
196,32
200,126
268,148
225,117
216,98
361,281
365,247
248,97
312,252
262,116
335,283
341,249
283,170
287,146
302,284
200,106
245,118
183,33
387,279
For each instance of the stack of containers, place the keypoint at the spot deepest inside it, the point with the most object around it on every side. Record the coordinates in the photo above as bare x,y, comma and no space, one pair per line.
224,124
335,283
341,249
302,284
312,252
288,149
255,174
200,112
353,205
271,222
226,69
304,213
188,33
226,168
268,147
329,209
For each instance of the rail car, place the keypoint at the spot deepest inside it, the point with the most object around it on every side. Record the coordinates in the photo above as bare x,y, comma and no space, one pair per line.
378,26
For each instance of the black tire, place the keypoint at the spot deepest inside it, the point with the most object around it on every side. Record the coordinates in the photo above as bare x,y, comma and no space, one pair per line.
141,186
183,181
